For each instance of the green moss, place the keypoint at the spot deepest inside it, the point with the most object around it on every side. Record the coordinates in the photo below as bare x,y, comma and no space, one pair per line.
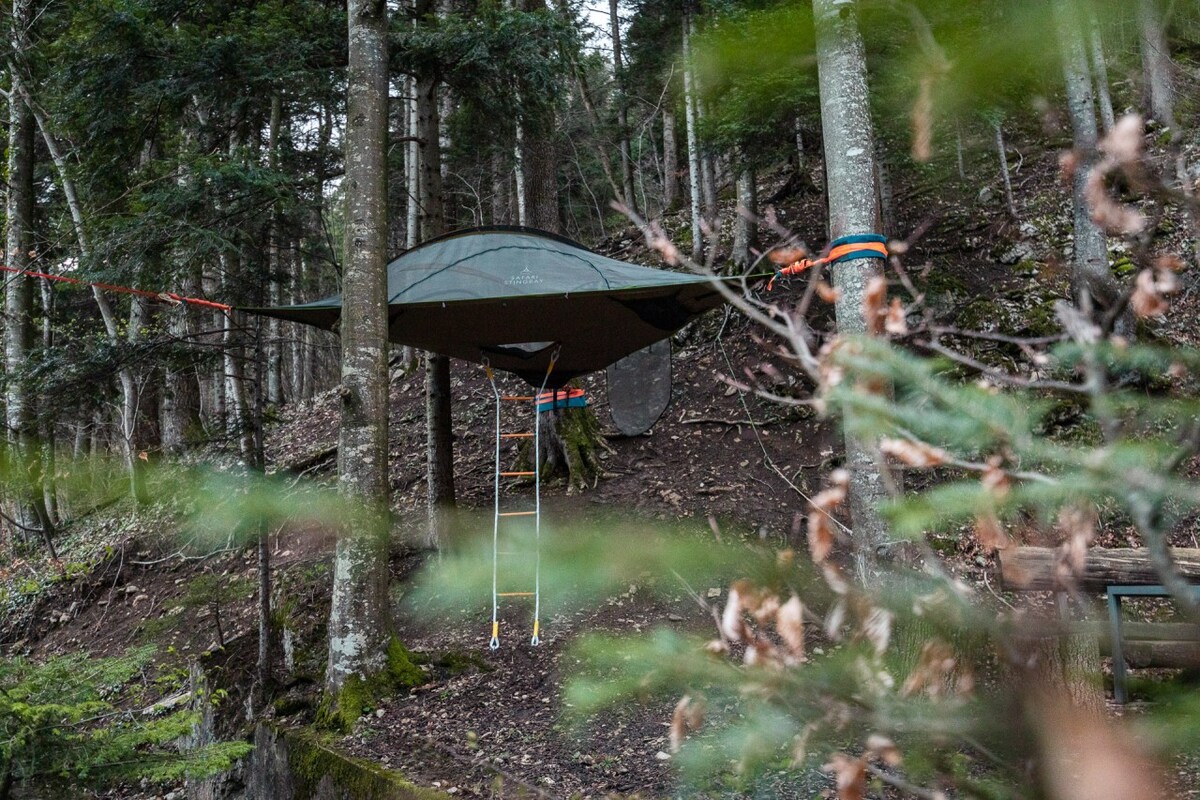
313,760
358,695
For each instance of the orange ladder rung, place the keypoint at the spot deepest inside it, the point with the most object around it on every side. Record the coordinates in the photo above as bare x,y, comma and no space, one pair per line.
516,474
514,594
516,436
518,397
517,513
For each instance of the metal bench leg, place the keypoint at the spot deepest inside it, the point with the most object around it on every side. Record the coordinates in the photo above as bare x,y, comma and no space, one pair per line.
1117,647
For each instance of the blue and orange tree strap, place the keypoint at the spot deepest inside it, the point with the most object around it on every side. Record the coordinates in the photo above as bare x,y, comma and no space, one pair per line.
846,248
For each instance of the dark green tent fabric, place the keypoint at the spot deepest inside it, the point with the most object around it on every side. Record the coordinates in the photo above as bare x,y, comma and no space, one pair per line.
514,295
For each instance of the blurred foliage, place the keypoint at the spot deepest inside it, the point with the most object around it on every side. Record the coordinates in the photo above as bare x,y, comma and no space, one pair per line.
68,723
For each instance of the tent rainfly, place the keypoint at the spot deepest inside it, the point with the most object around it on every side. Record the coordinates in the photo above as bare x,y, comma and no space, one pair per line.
513,296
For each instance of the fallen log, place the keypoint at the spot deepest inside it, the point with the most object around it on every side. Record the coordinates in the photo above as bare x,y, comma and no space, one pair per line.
1161,655
1025,569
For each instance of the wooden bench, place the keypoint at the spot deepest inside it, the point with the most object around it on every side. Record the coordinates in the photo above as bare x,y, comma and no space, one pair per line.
1116,573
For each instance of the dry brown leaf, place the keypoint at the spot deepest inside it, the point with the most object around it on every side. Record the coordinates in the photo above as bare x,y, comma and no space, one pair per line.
732,625
990,533
875,304
1088,756
835,619
1147,299
820,535
884,749
914,454
834,579
787,255
934,664
766,608
1068,162
1123,144
896,321
922,120
850,775
789,623
716,647
828,293
761,652
1110,215
877,629
688,716
995,478
820,520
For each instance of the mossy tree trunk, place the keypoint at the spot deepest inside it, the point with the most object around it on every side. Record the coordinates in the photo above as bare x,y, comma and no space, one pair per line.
571,443
360,625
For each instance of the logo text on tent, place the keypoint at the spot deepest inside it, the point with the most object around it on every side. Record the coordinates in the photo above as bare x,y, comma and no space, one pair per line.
524,278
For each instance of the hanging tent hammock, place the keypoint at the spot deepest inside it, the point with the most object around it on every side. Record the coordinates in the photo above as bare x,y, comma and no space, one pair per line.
514,296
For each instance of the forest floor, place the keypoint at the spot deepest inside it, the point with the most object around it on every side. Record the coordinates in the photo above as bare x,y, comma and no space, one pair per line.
717,464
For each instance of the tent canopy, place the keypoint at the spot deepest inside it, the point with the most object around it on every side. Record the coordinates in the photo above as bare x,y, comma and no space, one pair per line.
513,296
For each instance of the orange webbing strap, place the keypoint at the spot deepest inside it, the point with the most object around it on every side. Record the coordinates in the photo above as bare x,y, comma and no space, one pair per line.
847,248
167,297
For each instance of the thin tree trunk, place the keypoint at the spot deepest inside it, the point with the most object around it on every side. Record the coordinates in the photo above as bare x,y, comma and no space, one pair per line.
131,406
412,168
519,174
622,108
1091,278
1156,64
693,144
958,151
501,214
887,197
29,509
438,434
853,209
274,287
745,231
670,160
360,625
48,443
801,158
439,441
1100,70
1002,152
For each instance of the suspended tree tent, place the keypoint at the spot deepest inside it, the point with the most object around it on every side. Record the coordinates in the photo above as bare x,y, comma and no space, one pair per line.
515,296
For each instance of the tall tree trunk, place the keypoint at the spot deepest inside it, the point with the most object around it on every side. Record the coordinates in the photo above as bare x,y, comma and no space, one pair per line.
18,297
519,173
178,409
853,209
439,438
412,169
49,444
131,429
745,231
360,625
693,144
274,285
1156,64
1091,278
622,108
670,160
1100,71
501,214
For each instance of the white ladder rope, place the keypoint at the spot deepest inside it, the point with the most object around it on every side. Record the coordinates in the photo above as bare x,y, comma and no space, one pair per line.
497,474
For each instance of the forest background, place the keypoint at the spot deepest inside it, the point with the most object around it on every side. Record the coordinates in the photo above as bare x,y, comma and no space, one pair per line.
204,149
